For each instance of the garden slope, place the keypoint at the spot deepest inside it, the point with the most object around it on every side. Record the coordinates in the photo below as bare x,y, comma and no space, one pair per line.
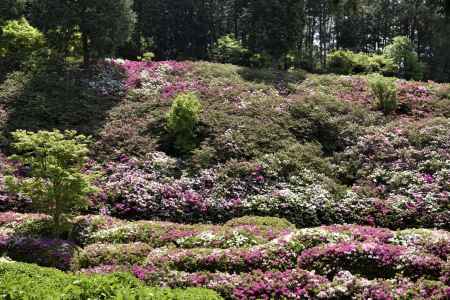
311,148
246,258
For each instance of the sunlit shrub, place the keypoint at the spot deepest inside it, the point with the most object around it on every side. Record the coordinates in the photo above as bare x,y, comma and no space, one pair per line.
385,92
182,120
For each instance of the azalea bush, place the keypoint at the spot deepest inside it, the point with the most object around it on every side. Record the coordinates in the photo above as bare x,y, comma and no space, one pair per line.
401,175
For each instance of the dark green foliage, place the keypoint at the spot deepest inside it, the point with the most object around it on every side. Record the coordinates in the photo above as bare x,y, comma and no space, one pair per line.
11,9
53,96
401,51
294,159
23,282
104,25
332,123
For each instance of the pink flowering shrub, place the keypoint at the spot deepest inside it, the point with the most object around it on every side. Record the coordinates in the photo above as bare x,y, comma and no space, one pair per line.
108,254
159,234
295,284
370,260
436,242
401,175
163,78
84,227
290,284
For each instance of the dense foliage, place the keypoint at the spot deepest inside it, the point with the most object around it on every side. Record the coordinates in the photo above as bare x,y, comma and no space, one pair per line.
247,178
51,165
22,281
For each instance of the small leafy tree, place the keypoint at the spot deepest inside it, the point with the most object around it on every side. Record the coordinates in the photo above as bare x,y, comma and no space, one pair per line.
182,120
402,52
55,181
385,91
228,49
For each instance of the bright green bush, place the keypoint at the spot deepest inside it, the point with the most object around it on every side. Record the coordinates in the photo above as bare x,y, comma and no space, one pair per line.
228,49
182,120
340,62
385,92
28,282
55,182
18,40
147,56
346,62
401,51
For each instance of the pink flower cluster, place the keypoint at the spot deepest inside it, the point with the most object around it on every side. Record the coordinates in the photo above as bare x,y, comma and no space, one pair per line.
134,69
369,259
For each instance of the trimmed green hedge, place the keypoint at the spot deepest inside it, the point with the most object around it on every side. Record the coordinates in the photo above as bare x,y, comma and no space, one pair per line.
29,282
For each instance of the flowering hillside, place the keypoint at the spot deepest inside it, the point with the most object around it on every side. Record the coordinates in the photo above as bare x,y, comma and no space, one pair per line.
290,185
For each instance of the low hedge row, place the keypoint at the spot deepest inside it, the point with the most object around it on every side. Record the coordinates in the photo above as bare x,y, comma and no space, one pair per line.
28,282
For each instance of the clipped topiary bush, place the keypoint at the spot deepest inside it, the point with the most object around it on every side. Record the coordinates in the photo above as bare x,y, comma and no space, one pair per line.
108,254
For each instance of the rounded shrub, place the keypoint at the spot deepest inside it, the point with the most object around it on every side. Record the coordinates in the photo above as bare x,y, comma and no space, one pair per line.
18,40
182,120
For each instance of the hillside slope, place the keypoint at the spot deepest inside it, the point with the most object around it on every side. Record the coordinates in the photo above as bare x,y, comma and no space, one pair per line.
312,148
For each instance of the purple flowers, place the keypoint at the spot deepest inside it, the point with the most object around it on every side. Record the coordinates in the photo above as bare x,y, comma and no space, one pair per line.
45,252
371,260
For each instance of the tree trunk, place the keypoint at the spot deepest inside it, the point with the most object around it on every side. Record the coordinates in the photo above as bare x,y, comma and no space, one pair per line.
86,50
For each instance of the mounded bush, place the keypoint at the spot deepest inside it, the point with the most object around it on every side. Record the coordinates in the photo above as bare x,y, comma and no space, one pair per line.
332,123
18,41
159,234
111,254
370,260
273,222
44,252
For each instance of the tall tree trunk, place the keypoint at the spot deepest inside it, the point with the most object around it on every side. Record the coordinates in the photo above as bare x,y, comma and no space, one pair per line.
86,50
